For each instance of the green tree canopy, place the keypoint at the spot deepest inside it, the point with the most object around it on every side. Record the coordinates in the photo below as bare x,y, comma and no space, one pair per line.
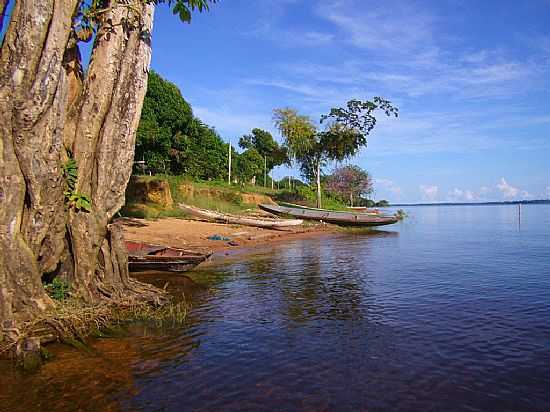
345,134
264,143
250,163
171,140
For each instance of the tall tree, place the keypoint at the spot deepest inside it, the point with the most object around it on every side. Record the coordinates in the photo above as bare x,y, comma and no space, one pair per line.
249,164
171,140
67,146
344,135
349,182
264,143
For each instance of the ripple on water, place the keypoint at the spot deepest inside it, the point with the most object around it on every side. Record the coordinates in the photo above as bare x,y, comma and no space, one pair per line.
447,311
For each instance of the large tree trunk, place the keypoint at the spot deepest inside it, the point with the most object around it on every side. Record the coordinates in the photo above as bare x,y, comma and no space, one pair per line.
32,109
48,108
102,132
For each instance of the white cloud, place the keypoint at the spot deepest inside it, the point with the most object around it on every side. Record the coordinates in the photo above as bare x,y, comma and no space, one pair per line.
315,38
429,192
414,56
547,192
508,191
459,195
268,25
392,29
229,122
310,91
405,54
484,190
389,185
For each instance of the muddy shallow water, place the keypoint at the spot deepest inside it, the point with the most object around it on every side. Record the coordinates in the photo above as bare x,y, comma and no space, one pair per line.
447,311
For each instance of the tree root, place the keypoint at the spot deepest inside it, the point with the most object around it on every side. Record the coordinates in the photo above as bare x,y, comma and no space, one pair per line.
73,319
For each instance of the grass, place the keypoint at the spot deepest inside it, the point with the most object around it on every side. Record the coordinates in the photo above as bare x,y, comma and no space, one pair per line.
71,320
215,195
220,196
306,196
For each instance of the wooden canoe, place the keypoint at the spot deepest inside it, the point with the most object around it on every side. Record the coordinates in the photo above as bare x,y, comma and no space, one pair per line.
240,220
329,216
145,256
358,209
363,209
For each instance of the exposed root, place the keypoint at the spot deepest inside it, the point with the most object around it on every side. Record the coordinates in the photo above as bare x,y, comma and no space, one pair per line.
74,320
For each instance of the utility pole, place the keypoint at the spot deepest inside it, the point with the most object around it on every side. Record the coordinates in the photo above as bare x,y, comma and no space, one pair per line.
265,171
229,168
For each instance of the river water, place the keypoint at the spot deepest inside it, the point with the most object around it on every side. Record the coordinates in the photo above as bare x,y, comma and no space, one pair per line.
448,310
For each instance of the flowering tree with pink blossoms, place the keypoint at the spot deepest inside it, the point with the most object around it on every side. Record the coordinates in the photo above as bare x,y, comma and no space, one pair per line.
349,182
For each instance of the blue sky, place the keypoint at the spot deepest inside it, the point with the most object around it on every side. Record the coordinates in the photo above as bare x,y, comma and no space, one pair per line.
471,79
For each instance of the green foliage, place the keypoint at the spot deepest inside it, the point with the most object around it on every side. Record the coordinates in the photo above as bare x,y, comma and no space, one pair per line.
90,12
214,195
345,134
204,155
249,164
401,214
58,289
172,141
70,171
78,201
266,146
74,199
184,8
371,203
299,132
306,196
366,202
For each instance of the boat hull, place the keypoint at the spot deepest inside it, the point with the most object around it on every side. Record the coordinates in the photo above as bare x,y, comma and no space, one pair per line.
239,220
170,266
148,257
334,217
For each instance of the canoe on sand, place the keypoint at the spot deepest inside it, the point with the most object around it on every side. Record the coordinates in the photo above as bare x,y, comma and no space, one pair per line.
330,216
240,220
360,209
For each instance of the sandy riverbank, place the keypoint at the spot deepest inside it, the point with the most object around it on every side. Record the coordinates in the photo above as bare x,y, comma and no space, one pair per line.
194,234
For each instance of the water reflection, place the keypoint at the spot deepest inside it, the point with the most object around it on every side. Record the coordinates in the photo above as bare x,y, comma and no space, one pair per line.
448,311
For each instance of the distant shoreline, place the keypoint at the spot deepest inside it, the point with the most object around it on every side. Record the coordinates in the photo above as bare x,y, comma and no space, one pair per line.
515,202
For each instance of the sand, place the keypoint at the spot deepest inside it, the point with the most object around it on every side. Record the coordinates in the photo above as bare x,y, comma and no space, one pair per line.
194,234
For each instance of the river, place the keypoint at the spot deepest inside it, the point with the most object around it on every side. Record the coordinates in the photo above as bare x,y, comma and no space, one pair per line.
448,310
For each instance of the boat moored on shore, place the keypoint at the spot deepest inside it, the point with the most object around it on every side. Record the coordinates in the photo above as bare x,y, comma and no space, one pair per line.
148,257
330,216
